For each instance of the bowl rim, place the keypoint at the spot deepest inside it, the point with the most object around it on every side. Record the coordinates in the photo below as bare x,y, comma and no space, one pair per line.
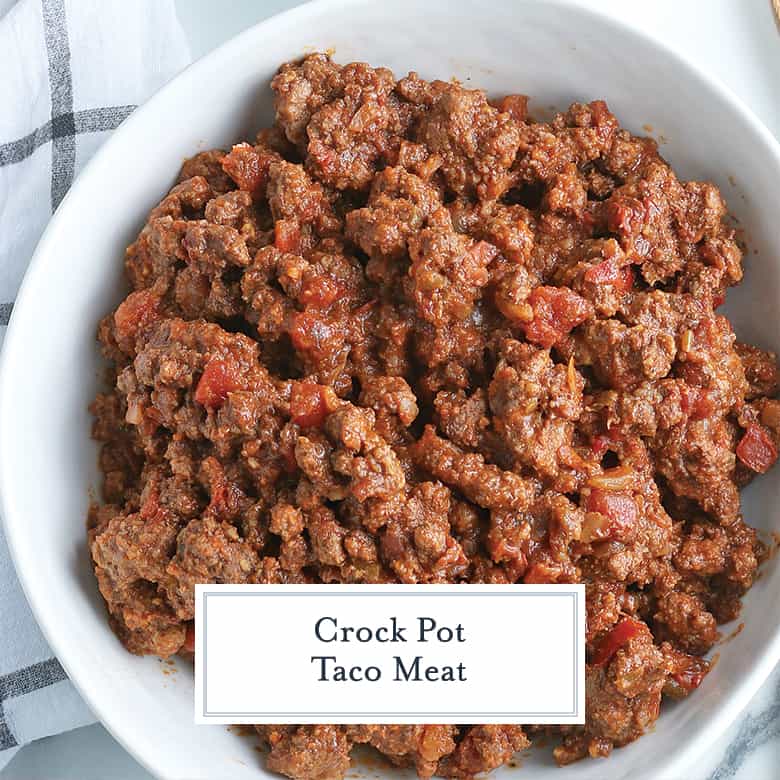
671,765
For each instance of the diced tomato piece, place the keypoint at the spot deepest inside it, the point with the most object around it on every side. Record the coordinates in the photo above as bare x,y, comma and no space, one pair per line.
225,495
288,456
321,291
609,272
588,218
248,167
311,403
601,442
189,638
696,403
556,310
618,506
691,677
151,507
220,497
302,330
220,377
625,280
135,314
287,236
756,449
483,252
620,511
620,635
718,300
599,445
625,215
310,330
686,673
603,119
516,106
324,157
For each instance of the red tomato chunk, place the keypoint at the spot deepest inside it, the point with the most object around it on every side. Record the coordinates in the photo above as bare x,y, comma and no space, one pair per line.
690,678
311,403
135,314
599,445
248,168
620,512
310,330
287,236
626,216
219,378
696,403
609,272
620,635
516,106
756,449
556,311
321,291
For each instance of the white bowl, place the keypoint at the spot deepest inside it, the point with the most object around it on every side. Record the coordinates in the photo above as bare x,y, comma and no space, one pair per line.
554,51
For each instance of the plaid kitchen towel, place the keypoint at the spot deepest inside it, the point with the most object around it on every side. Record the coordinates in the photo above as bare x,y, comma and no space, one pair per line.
70,72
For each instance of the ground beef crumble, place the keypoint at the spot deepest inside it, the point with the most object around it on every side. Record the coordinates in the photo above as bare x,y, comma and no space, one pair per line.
409,334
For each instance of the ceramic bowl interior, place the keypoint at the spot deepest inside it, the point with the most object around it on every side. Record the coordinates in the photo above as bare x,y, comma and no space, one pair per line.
553,51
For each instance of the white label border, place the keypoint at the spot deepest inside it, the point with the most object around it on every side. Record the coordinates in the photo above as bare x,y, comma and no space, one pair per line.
575,716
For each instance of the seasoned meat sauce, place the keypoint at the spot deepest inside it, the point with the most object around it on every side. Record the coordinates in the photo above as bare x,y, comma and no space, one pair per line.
411,335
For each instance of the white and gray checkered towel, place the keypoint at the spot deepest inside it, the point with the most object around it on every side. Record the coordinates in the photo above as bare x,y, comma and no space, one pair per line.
70,72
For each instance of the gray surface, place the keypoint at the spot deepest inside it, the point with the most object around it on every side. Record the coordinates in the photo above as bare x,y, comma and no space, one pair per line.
88,753
735,40
208,23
